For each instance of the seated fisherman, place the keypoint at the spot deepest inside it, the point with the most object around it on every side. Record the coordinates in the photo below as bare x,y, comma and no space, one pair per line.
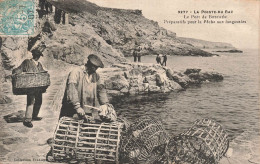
83,90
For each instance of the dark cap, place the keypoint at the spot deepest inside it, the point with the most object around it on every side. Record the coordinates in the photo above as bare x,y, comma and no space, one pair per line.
37,52
94,59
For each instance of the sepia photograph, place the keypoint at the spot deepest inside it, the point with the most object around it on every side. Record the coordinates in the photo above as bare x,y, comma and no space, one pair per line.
129,82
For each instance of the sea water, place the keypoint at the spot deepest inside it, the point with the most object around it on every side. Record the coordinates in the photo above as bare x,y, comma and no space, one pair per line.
234,102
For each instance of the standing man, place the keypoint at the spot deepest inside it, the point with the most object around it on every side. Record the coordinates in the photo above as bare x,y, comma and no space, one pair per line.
84,89
158,59
139,54
135,55
164,60
34,95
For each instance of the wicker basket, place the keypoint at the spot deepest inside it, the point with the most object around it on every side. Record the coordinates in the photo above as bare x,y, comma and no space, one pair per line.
26,82
87,142
205,142
143,142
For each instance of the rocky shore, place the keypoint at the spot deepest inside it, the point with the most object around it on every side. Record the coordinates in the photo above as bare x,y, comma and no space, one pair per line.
140,78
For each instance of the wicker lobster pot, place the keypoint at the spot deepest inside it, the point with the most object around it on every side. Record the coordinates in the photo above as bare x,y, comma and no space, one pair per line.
88,142
27,82
205,142
143,142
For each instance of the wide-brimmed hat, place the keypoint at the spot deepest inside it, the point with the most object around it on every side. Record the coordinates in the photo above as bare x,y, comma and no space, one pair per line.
37,52
95,60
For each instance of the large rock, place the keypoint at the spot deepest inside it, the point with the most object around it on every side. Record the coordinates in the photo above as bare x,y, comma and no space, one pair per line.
174,86
73,44
189,71
212,76
13,51
4,99
197,77
154,89
182,79
123,66
151,79
161,79
117,82
136,71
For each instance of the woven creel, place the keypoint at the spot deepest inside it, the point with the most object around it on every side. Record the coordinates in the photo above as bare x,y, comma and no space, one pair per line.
144,141
25,82
87,142
205,142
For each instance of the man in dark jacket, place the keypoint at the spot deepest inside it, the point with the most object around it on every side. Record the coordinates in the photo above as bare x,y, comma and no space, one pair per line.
139,54
164,60
158,59
34,95
83,90
135,54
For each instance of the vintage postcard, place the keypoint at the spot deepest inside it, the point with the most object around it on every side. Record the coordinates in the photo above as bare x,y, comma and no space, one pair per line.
147,81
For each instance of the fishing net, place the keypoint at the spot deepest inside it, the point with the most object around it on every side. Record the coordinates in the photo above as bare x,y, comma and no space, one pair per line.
205,142
143,142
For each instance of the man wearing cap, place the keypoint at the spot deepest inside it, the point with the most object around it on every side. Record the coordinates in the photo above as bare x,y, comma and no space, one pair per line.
84,88
34,96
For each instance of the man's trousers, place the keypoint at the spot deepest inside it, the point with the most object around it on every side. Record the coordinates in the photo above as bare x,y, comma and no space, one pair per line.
34,102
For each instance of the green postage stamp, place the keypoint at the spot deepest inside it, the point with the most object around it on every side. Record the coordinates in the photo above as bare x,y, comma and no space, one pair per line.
17,17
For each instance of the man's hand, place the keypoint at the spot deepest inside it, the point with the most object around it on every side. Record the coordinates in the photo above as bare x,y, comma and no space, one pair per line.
107,113
89,119
80,111
103,110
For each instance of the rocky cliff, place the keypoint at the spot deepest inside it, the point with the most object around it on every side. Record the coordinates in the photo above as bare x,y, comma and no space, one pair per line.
123,30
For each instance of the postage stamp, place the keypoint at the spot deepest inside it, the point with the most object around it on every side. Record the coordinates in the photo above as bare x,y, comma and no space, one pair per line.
17,17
